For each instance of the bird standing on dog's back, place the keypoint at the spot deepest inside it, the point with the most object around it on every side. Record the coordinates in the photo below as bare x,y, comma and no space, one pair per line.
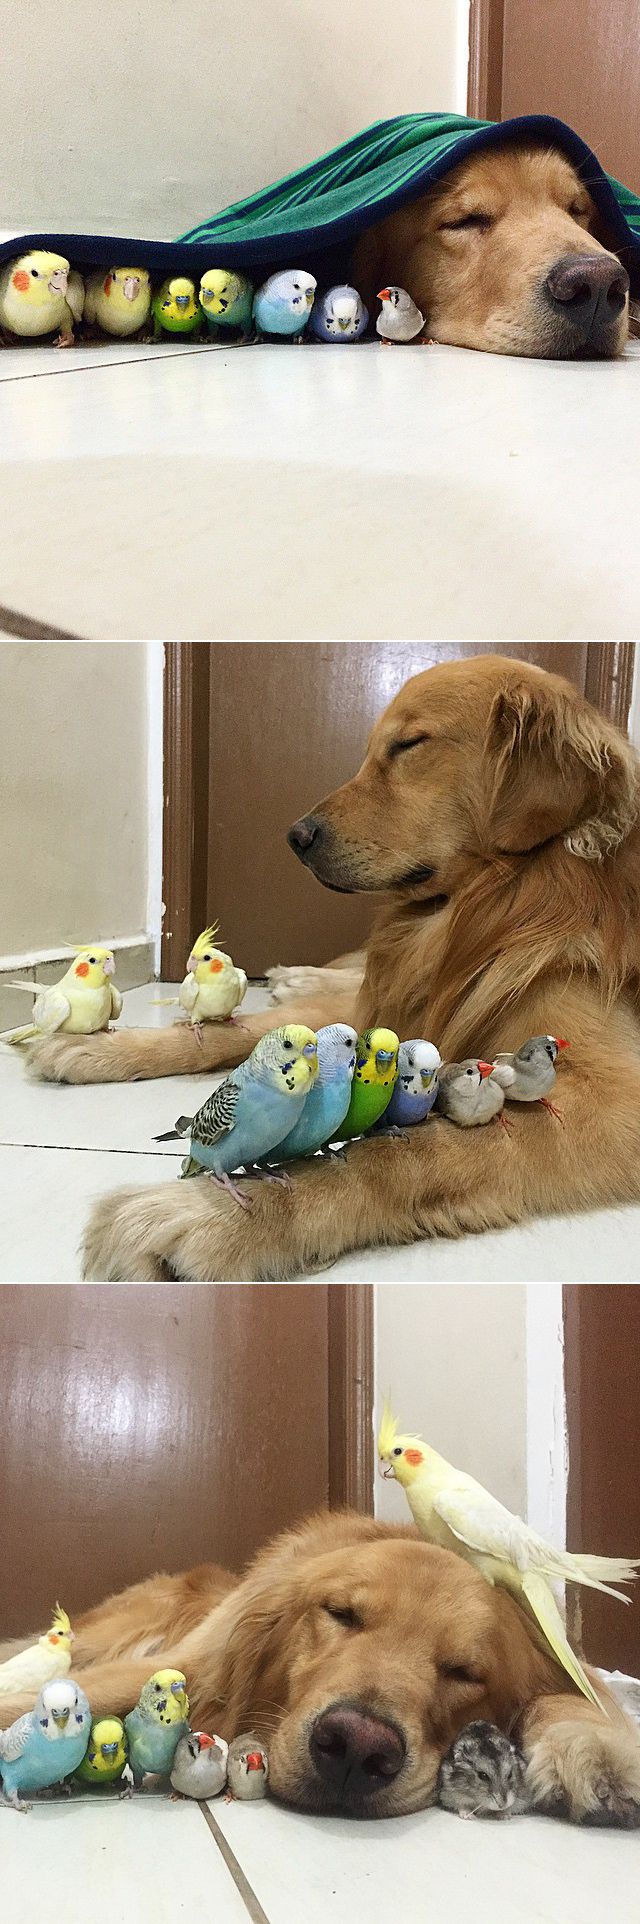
416,1088
468,1094
451,1509
49,1657
328,1099
373,1081
253,1109
530,1075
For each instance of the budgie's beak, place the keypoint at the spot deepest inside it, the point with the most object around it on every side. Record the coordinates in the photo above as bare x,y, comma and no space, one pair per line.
58,281
426,1077
310,1049
309,297
177,1688
384,1056
109,1750
182,300
61,1718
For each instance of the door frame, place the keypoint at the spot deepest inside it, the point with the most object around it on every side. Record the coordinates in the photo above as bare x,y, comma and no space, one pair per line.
486,42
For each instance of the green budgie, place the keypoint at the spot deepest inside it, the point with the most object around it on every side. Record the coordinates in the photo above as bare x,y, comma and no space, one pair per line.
373,1082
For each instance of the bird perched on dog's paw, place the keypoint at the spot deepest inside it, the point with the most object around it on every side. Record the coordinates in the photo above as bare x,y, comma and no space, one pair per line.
247,1768
81,1003
106,1755
200,1765
328,1098
339,315
373,1081
416,1088
175,309
399,318
118,302
49,1657
39,295
482,1774
226,300
283,304
213,987
252,1110
468,1094
47,1744
530,1075
154,1728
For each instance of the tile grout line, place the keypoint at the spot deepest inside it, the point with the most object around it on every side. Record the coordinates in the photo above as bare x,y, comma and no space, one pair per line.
178,354
251,1902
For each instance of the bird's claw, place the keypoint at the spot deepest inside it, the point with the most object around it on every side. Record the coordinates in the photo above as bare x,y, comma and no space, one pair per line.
391,1130
224,1182
546,1104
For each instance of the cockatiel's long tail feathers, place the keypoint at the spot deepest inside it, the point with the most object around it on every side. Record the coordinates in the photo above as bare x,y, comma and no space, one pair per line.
165,1001
388,1429
616,1569
545,1610
13,1036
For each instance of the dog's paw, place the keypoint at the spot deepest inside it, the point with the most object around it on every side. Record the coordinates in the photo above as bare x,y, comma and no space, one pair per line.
287,984
184,1231
588,1773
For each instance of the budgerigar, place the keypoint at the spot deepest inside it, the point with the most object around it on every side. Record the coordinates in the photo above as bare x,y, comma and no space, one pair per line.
530,1074
175,309
40,294
226,299
200,1765
47,1744
154,1728
373,1082
83,1001
283,304
247,1769
468,1093
49,1657
339,315
213,986
119,301
399,318
416,1088
106,1754
253,1109
451,1509
329,1096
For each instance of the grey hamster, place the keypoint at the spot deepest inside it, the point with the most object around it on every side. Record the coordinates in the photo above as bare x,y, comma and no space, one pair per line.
482,1774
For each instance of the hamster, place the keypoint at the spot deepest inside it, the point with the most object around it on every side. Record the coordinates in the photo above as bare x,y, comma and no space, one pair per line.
482,1774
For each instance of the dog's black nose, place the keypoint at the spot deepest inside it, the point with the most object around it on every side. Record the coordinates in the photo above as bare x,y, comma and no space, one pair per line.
355,1750
588,288
303,833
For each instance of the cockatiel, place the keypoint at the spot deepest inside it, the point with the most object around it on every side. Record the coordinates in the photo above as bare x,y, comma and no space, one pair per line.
40,294
529,1075
328,1098
200,1765
399,318
213,987
339,315
106,1755
119,301
83,1001
49,1657
154,1728
247,1769
451,1509
175,309
283,304
373,1082
467,1093
47,1744
415,1091
226,299
252,1110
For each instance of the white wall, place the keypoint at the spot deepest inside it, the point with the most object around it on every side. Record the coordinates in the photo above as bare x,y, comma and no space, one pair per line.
144,119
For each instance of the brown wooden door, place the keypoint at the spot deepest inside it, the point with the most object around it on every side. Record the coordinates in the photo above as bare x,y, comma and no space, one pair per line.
579,61
146,1428
274,726
602,1365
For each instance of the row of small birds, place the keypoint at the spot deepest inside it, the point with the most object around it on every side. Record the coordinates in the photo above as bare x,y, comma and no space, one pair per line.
42,295
58,1743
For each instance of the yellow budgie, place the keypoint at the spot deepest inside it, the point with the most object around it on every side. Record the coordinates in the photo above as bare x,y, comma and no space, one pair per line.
48,1658
452,1510
83,1001
39,294
213,987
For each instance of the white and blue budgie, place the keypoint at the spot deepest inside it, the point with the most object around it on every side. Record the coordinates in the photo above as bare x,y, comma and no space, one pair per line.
416,1088
156,1725
254,1108
339,315
47,1744
329,1096
283,304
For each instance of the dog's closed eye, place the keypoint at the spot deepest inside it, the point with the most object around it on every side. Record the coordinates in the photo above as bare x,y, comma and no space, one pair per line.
467,220
343,1614
459,1673
412,741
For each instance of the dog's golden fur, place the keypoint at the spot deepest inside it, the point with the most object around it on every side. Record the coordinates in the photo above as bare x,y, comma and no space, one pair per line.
523,808
482,284
434,1646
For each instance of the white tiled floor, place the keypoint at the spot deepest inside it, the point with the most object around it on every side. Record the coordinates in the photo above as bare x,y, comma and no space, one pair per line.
422,493
61,1147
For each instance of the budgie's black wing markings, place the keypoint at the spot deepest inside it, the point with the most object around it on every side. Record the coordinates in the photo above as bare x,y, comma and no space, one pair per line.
217,1116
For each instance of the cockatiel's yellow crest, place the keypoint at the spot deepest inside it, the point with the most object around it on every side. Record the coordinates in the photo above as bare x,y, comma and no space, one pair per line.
204,941
452,1510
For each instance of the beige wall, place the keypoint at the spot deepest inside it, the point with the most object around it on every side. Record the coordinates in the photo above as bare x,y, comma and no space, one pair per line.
74,821
144,119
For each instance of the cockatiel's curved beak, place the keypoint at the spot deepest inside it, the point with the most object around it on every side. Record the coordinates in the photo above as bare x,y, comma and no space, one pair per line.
58,281
108,966
485,1069
131,287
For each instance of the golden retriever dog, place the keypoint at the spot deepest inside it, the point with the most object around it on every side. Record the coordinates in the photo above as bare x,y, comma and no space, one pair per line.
507,253
357,1653
499,815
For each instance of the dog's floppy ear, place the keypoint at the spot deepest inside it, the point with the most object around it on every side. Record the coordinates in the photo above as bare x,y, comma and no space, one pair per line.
254,1662
558,768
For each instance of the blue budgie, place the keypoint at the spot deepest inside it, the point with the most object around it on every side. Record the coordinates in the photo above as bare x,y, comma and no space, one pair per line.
283,304
328,1099
416,1089
253,1109
47,1744
156,1725
339,315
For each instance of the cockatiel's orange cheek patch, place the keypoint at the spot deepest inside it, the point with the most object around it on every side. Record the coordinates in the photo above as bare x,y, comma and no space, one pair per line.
81,968
21,280
216,968
414,1457
107,285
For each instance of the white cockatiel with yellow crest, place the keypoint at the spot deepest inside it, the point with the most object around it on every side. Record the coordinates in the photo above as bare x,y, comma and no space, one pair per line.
452,1510
213,987
48,1658
81,1003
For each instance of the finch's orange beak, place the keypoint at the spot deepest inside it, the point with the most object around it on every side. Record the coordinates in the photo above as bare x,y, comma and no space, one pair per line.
254,1760
485,1069
560,1043
383,295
